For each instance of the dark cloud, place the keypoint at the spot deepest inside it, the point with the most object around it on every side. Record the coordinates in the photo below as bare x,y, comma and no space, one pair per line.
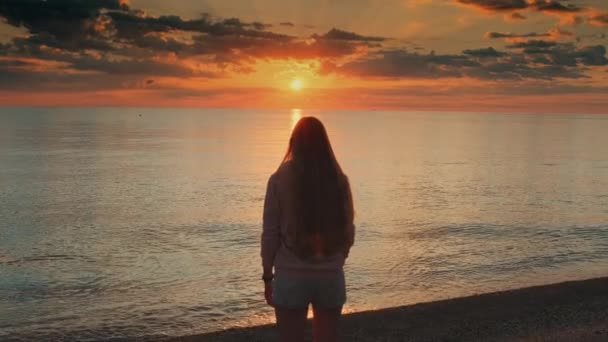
76,45
593,55
71,25
569,11
60,18
533,46
336,34
554,33
599,19
539,44
550,6
496,5
131,25
159,43
563,54
495,35
487,52
517,16
238,49
535,59
511,69
287,23
15,63
554,6
101,64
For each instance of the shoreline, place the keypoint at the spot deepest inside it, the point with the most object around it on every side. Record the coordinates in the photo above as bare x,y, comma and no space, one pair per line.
568,311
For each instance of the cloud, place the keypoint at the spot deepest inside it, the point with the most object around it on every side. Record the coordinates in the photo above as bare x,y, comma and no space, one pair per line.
404,64
517,16
487,52
336,34
68,21
538,45
132,24
568,12
76,45
598,18
554,7
555,33
496,5
494,35
592,55
562,54
513,5
247,48
546,6
15,64
94,65
533,59
64,24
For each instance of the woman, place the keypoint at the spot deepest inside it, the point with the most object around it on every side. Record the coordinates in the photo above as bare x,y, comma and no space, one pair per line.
308,231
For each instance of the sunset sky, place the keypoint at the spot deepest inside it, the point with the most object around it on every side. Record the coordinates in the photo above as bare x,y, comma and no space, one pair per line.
469,55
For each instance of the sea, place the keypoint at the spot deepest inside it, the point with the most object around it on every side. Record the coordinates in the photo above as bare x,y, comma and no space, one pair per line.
125,223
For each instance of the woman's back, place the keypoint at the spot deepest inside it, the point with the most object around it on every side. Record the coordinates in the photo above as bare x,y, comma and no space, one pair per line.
281,223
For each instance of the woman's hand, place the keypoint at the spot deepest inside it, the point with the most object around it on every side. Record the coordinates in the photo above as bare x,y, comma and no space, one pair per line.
268,292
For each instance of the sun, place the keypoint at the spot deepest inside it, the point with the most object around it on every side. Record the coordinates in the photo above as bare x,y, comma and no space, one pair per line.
296,84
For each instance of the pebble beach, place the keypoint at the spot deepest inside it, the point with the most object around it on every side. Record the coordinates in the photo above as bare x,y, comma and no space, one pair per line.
569,311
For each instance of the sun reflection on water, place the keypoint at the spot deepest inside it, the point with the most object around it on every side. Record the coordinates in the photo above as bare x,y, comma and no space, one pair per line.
296,115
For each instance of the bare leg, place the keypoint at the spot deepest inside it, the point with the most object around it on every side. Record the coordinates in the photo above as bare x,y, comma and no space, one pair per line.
325,324
291,324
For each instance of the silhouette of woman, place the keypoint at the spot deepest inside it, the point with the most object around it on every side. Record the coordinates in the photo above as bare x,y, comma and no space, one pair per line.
308,231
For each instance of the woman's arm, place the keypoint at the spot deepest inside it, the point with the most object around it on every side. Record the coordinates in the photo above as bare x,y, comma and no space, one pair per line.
350,218
271,226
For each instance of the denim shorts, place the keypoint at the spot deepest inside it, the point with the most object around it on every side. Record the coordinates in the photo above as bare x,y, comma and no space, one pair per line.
324,292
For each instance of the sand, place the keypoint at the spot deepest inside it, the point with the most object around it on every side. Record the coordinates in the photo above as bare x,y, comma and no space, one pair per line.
570,311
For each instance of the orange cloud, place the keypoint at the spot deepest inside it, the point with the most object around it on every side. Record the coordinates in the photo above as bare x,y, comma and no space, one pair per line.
598,18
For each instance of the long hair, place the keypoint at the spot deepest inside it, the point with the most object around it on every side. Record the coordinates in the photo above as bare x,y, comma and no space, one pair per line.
318,191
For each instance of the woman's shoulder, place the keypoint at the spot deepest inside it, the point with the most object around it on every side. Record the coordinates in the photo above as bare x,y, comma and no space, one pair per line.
281,172
343,179
286,167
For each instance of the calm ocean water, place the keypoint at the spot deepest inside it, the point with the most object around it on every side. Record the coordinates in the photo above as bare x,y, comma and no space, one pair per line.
145,222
